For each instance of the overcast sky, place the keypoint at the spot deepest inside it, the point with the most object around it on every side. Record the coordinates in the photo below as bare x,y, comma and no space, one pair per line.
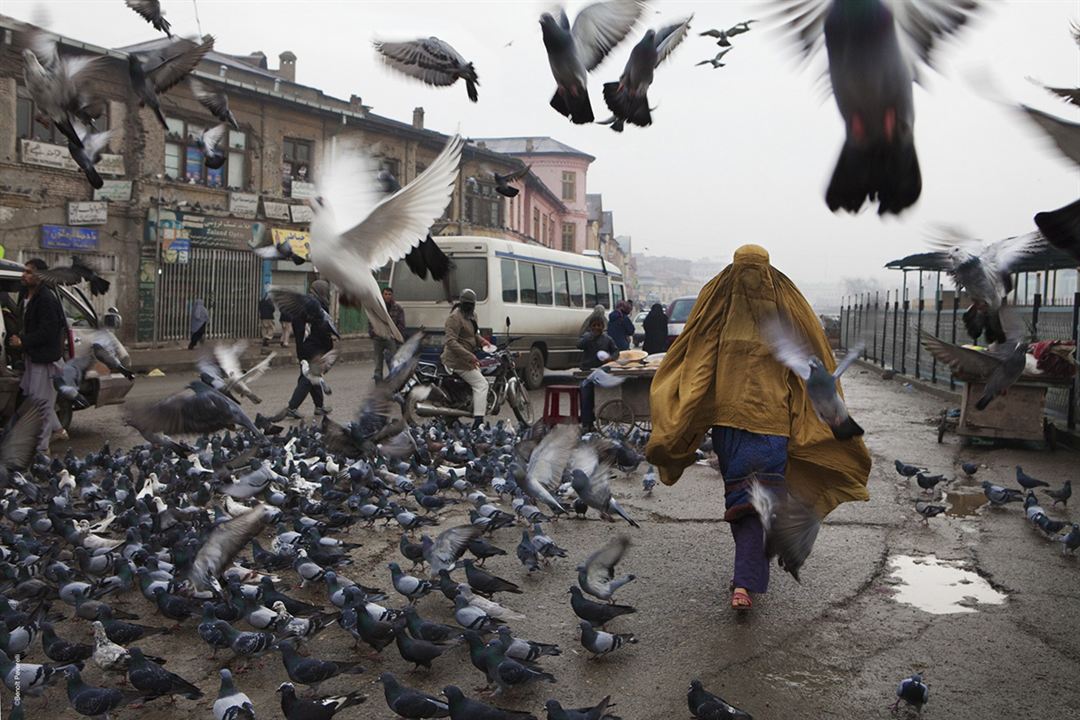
734,155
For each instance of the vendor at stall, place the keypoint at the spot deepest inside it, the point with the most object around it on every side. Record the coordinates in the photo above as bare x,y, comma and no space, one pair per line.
597,348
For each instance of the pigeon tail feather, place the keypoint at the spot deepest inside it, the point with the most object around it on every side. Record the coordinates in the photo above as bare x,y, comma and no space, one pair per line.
578,108
888,172
626,107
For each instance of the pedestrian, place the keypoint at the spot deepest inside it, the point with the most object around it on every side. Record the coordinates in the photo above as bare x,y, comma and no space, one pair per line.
266,319
200,318
597,348
42,340
313,340
462,338
620,327
655,325
719,373
385,347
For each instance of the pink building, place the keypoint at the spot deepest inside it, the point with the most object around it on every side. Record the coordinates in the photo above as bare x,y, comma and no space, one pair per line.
562,169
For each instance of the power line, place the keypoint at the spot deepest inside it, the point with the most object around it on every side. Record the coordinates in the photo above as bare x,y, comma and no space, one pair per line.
197,23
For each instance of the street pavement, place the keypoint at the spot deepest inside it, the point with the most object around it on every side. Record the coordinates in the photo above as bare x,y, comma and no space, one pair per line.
834,646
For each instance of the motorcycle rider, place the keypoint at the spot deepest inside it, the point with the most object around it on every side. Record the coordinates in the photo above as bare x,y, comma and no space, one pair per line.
459,351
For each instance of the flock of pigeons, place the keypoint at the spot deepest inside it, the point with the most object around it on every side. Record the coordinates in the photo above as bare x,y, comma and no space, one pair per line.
998,496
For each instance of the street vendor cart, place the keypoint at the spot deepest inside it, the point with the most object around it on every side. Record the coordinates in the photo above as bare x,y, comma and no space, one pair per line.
631,409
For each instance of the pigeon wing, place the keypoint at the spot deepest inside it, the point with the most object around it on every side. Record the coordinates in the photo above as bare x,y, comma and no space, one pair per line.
450,545
295,305
150,10
1003,255
669,37
60,276
586,458
224,543
1065,134
176,61
430,60
600,567
927,22
184,412
214,137
805,21
601,26
550,457
960,359
20,439
215,101
786,349
228,358
851,357
516,175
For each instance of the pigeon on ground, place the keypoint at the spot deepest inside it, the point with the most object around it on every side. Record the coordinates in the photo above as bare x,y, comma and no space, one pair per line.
998,368
628,98
573,52
156,71
486,584
928,482
912,691
151,12
30,678
598,614
1070,540
356,230
471,617
555,711
969,468
706,706
60,650
822,386
463,708
153,681
444,552
1027,482
216,101
94,701
791,527
231,704
311,670
998,495
928,511
907,470
1061,496
417,650
596,575
873,52
410,703
412,588
600,643
430,60
318,708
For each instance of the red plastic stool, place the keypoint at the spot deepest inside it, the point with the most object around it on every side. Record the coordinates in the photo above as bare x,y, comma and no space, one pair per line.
553,405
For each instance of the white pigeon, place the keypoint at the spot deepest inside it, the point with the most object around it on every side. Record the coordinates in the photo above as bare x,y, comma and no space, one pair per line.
357,228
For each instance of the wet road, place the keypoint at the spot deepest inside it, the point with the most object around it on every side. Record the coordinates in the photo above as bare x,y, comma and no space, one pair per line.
832,647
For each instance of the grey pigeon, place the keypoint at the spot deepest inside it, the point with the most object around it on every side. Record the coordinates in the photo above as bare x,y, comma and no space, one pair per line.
791,527
410,703
225,543
54,83
200,409
600,643
212,143
706,706
231,704
94,701
151,12
573,52
596,575
546,464
715,60
928,511
1027,482
998,368
156,71
913,691
821,385
463,708
430,60
216,101
598,614
448,547
1070,540
149,678
998,495
555,711
872,70
1061,496
591,479
87,153
628,98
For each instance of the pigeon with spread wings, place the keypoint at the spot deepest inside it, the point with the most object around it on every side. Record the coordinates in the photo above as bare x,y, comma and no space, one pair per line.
874,48
356,229
999,368
821,385
151,12
198,409
73,275
628,98
155,71
216,101
574,52
429,60
54,81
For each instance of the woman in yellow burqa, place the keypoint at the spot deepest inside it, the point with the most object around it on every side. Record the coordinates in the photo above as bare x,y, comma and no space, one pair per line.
720,374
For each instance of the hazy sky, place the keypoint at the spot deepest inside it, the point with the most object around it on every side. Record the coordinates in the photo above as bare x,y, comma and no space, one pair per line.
734,155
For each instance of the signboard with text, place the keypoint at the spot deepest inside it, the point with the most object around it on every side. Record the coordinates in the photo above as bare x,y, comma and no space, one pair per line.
206,230
62,237
114,191
88,213
57,156
275,210
302,190
301,213
299,240
243,204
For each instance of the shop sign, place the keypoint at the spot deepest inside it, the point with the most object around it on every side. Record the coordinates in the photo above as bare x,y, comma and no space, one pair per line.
275,210
243,204
88,213
62,237
299,241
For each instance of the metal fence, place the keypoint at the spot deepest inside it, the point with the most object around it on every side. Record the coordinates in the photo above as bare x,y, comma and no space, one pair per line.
227,280
888,324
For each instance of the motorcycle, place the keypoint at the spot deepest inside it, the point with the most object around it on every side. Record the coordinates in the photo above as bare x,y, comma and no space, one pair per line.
434,391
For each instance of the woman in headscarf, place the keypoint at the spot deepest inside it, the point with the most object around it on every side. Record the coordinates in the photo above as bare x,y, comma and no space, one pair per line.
655,325
314,338
720,374
200,318
620,327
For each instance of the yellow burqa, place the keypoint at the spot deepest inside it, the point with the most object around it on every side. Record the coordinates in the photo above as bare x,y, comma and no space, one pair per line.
719,371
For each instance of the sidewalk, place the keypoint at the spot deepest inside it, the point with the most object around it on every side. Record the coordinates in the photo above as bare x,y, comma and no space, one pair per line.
174,358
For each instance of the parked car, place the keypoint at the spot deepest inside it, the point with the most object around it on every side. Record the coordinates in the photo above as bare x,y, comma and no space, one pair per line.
678,312
99,386
639,327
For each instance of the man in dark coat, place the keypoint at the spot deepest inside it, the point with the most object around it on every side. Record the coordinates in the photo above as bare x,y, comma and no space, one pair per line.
313,341
620,326
655,325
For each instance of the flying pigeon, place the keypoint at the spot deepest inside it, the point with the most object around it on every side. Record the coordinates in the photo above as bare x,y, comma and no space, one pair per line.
715,61
156,71
430,60
999,368
596,575
225,543
212,144
151,12
791,527
74,274
356,229
821,385
628,98
873,49
87,153
54,81
216,101
198,409
573,52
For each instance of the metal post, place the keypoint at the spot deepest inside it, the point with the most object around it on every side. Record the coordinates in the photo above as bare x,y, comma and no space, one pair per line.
847,325
895,326
903,336
885,327
874,340
1037,303
858,318
1074,389
937,326
918,325
955,308
840,340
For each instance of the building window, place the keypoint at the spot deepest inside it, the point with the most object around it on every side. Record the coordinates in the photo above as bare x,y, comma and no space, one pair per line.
569,186
549,232
568,232
544,231
536,226
184,158
483,206
295,163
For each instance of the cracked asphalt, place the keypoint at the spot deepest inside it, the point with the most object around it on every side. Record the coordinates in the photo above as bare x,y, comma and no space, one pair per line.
834,646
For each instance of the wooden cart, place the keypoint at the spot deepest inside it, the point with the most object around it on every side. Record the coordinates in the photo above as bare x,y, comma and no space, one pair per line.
631,409
1019,414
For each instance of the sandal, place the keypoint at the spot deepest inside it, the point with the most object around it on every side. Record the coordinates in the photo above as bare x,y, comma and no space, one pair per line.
740,600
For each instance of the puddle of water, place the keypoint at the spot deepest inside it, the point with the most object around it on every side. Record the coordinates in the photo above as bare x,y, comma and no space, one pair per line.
960,504
940,587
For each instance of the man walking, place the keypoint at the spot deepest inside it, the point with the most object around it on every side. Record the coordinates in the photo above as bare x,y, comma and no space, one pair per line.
42,342
386,347
266,319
